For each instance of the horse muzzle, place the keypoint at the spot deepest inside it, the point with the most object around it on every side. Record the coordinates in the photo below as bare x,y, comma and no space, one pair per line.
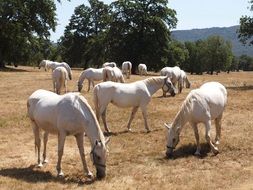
100,173
169,153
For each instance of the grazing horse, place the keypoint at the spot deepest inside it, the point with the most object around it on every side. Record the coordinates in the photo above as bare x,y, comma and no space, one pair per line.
60,77
200,106
136,94
185,81
126,68
64,115
109,64
91,75
53,65
45,63
142,68
177,76
113,74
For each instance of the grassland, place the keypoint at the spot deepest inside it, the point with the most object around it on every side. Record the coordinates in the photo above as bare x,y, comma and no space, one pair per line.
136,160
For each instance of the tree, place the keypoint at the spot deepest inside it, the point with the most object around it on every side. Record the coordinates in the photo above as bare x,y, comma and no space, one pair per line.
83,43
178,54
219,54
246,28
246,63
139,32
20,22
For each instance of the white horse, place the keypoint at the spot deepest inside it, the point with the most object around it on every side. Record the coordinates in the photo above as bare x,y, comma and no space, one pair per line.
185,80
136,94
200,106
175,74
109,64
53,65
60,77
91,75
113,74
142,68
64,115
44,63
126,68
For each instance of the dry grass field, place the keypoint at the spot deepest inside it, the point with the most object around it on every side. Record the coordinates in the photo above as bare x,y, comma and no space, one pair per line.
136,160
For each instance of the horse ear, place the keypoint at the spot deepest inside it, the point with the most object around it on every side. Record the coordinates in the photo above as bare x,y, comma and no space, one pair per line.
107,140
168,126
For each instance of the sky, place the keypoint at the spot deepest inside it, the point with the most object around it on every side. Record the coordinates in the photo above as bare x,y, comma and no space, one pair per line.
191,14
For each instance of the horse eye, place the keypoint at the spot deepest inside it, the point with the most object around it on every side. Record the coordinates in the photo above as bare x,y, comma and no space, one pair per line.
98,157
173,140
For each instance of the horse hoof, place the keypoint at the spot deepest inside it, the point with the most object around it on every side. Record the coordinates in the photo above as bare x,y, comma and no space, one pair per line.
90,175
40,165
197,153
129,130
148,131
215,151
45,161
61,174
217,142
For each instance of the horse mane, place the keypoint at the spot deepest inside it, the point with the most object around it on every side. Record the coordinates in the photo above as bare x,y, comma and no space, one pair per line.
154,80
185,108
86,105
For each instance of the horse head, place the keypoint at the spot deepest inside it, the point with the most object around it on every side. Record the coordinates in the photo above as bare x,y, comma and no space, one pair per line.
168,87
172,139
79,86
98,157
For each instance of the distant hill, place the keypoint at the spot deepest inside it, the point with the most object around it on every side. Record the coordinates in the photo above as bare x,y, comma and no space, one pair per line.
228,33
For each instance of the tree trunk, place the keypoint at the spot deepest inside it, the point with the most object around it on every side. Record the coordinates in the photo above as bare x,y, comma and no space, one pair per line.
2,65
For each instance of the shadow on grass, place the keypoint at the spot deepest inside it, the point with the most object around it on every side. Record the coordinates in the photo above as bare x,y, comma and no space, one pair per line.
166,96
240,88
10,69
188,151
131,132
33,175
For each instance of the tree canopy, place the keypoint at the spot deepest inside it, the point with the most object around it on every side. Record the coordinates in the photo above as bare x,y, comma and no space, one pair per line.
22,24
246,27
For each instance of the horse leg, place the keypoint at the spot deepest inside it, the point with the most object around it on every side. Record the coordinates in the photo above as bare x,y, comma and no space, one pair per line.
134,110
93,84
79,141
54,87
218,129
61,141
208,137
104,121
196,133
88,86
45,139
65,85
36,132
144,114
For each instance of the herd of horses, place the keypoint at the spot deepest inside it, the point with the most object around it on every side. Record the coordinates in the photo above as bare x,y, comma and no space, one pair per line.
70,113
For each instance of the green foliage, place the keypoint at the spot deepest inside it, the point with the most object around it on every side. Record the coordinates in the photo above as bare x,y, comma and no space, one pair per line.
246,28
22,22
212,54
246,63
134,30
83,43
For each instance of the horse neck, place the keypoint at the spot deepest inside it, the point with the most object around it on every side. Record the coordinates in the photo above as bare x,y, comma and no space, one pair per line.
92,130
94,133
154,84
181,117
82,77
186,80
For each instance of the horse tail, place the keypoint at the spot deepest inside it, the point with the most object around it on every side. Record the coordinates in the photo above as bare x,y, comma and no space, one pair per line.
95,100
105,75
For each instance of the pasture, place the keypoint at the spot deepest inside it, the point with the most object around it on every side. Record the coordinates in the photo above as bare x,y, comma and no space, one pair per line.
136,160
